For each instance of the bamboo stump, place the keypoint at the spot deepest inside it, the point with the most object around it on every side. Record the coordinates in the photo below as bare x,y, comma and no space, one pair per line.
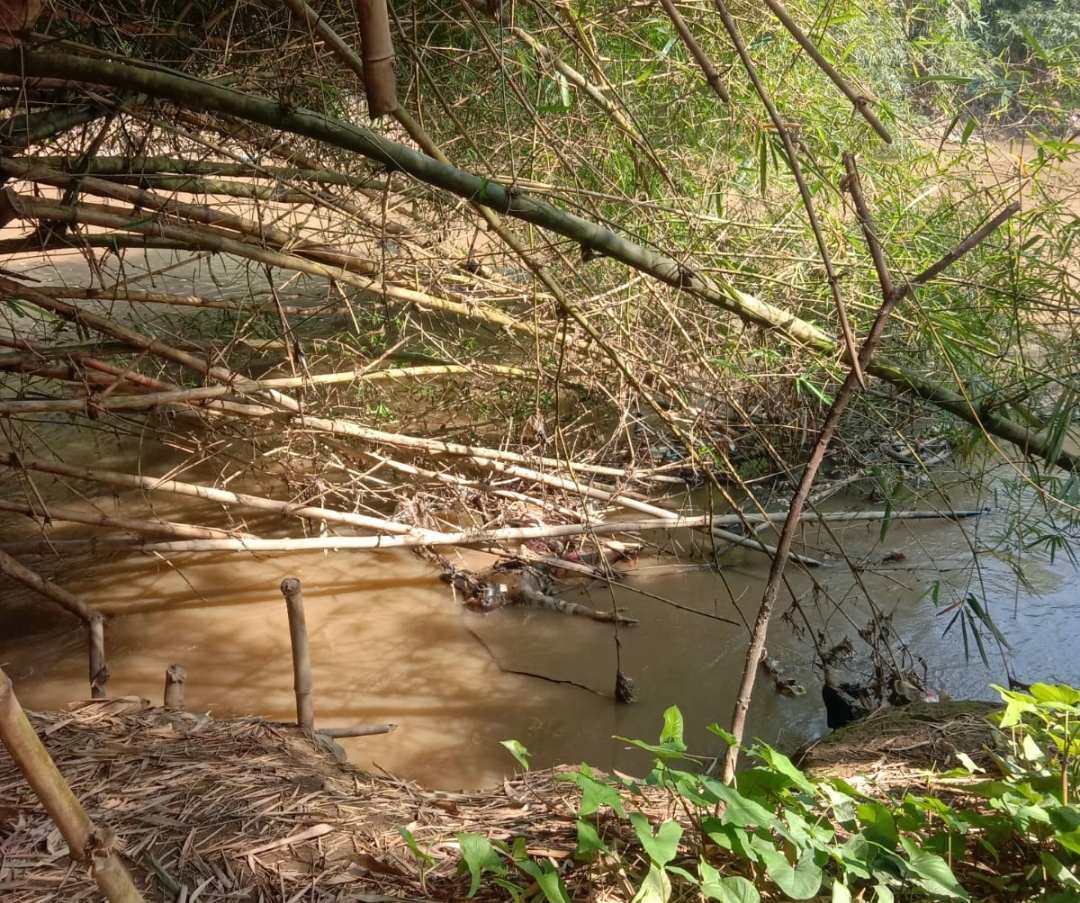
99,668
175,676
302,682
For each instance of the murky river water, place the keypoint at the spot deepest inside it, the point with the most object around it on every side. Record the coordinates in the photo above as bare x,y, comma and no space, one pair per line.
390,644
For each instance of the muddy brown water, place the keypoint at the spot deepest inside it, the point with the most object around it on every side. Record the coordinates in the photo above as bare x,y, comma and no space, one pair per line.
391,644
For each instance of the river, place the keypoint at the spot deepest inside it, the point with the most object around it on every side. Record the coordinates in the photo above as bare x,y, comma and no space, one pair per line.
391,644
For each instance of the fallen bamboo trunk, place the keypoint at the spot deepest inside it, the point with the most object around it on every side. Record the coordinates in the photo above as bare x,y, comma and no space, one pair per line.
495,196
47,588
133,525
93,847
209,493
479,537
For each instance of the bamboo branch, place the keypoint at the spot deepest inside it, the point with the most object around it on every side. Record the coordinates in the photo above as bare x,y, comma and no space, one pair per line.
859,101
135,169
890,298
47,588
143,199
88,845
203,95
712,78
792,154
469,538
239,387
211,494
133,525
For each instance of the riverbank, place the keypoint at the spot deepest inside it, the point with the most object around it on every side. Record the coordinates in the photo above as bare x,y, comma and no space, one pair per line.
214,810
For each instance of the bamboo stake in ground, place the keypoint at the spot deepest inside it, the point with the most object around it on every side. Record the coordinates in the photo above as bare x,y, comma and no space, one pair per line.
92,846
99,667
175,676
302,683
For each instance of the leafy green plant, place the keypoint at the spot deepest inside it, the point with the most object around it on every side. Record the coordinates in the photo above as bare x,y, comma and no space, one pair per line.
779,834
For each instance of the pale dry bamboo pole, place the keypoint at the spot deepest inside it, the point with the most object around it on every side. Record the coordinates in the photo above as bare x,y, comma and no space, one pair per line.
436,446
134,525
624,501
467,309
209,238
252,386
65,373
148,200
47,588
209,493
465,537
367,730
430,537
301,655
99,665
93,847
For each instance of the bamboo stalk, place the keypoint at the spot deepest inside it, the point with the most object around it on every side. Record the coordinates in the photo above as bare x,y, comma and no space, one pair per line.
86,843
469,309
99,666
301,656
131,524
47,588
860,102
327,264
94,847
202,214
209,493
464,537
206,393
136,168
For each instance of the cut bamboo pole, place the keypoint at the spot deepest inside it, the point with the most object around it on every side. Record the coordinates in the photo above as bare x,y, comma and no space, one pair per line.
175,678
47,588
368,730
99,667
210,494
94,847
133,525
464,537
301,656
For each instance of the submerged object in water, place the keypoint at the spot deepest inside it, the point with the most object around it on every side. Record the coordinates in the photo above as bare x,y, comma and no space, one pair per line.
843,702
